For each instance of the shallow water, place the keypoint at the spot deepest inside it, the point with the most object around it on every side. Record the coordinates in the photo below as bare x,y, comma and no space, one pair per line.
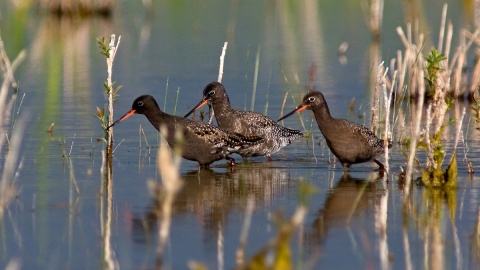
67,216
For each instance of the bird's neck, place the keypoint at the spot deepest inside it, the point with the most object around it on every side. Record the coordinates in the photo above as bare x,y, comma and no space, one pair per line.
157,118
323,117
221,105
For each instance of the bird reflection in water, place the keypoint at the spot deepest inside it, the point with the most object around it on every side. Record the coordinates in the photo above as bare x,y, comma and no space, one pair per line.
349,201
212,196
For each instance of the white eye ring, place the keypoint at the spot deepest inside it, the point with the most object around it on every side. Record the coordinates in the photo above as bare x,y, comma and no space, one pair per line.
311,99
140,103
211,93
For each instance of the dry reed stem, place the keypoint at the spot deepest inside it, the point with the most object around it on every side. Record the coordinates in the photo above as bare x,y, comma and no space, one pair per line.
168,166
381,214
106,213
113,47
387,102
461,56
438,105
255,77
283,104
220,76
455,80
375,17
6,67
107,183
222,60
240,255
459,130
406,248
430,160
415,130
442,28
475,80
457,75
220,247
376,97
14,264
448,42
474,84
7,190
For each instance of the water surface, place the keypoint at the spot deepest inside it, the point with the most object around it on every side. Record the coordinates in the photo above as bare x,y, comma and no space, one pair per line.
354,220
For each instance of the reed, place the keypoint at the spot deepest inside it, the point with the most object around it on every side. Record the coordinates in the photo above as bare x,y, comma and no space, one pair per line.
10,167
434,81
375,17
109,51
165,97
176,102
240,254
220,77
141,133
168,167
255,78
459,85
267,96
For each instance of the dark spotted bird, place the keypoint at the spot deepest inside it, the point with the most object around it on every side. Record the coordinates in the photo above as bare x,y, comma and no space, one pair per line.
350,142
247,123
201,142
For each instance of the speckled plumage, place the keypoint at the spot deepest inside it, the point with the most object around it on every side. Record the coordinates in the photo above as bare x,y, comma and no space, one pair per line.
350,142
247,123
201,142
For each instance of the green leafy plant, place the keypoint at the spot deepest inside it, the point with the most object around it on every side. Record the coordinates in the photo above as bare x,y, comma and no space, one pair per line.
433,175
105,49
433,68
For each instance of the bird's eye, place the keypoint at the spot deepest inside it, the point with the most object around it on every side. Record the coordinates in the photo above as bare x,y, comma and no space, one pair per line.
140,103
211,93
311,99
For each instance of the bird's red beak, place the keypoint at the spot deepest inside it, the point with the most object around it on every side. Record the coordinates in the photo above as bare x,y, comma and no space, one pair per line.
298,109
199,105
125,116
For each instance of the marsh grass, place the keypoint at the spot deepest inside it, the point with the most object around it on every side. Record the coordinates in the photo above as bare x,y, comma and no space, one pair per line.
425,83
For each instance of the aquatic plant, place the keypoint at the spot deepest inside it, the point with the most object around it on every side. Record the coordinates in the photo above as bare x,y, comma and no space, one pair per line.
109,52
428,79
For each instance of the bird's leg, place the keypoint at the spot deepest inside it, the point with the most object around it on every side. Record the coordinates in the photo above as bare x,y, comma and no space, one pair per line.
231,161
269,159
381,168
345,166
